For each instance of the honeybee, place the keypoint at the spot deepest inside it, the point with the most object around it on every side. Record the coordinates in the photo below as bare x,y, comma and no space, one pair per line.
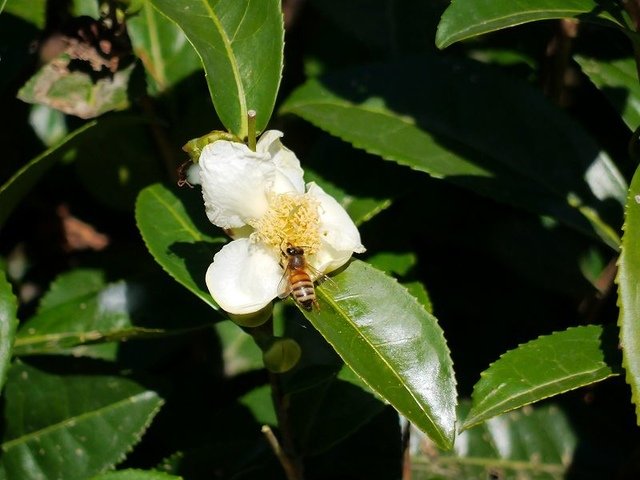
296,280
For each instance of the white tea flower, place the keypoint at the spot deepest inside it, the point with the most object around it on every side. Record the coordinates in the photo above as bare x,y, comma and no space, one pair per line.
260,199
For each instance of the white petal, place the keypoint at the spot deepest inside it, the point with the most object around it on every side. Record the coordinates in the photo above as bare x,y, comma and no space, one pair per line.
193,174
244,276
289,172
339,235
234,183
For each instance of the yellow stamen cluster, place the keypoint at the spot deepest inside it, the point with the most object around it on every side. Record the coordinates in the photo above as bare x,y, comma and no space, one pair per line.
292,219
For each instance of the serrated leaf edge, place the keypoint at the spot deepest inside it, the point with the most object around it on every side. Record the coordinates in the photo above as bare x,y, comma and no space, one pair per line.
444,441
477,419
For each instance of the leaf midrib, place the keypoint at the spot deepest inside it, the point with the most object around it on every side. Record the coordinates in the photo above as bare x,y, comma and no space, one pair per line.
232,61
334,304
537,388
73,421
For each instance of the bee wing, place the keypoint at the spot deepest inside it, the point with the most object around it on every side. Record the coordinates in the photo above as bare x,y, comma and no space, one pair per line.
324,280
284,286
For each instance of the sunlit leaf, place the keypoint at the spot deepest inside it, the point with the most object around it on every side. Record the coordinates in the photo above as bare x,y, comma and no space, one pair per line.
468,18
8,325
240,44
428,116
32,11
618,81
163,48
542,368
393,344
629,293
535,443
81,308
70,426
166,222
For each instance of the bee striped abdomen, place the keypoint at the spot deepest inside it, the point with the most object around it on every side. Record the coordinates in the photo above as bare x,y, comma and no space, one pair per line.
302,289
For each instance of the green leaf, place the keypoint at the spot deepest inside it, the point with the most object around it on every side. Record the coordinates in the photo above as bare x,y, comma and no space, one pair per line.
163,48
240,44
618,81
468,18
542,368
535,443
628,281
393,344
132,474
393,263
240,353
32,11
70,426
361,209
14,190
166,222
82,309
8,325
425,113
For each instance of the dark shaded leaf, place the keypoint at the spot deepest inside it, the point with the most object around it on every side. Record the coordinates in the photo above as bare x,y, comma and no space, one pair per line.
425,113
536,443
468,18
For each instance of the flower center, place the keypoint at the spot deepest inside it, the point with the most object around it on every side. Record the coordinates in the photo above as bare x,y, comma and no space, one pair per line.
292,219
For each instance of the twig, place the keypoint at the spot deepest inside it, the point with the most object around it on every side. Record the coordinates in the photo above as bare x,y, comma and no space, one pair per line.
290,460
288,467
558,54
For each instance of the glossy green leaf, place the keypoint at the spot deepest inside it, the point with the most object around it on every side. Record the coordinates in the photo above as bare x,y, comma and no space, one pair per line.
542,368
240,44
426,114
2,4
70,426
468,18
393,344
529,443
132,474
628,281
171,226
8,325
618,80
14,190
163,48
